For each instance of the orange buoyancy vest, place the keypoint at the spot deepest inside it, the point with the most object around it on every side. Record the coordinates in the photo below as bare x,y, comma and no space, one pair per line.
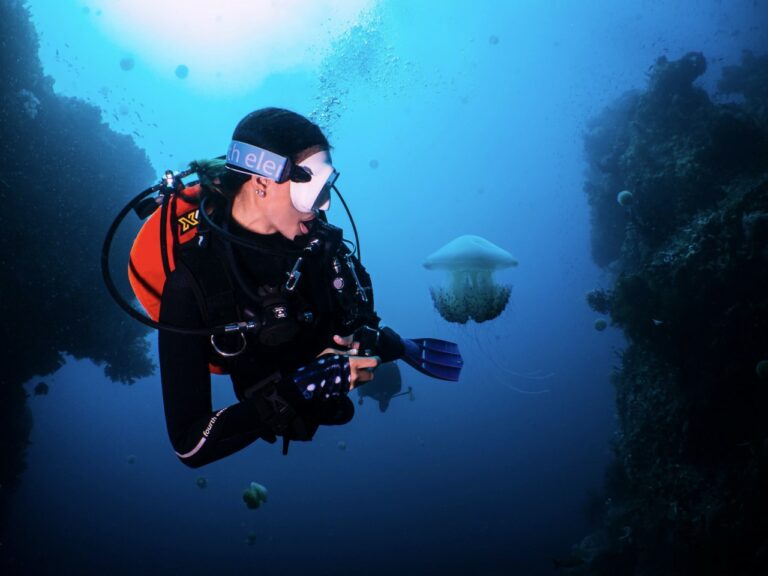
146,271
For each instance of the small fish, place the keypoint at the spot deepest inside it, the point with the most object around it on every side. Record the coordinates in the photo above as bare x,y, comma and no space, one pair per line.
657,322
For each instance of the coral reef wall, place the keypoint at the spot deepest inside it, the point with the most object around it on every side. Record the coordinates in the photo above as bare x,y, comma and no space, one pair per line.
688,249
63,174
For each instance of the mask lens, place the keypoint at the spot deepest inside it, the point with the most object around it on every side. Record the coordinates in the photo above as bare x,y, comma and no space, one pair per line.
323,201
314,194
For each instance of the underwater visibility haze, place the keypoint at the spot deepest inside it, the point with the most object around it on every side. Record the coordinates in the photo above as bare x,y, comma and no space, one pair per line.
574,192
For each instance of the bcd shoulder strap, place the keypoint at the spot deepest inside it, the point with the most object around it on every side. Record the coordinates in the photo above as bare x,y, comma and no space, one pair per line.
212,284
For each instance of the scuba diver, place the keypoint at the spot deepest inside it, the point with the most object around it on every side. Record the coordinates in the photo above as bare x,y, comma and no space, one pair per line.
388,385
249,279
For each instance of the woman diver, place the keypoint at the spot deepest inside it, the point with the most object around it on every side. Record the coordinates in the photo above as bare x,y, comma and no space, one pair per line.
249,279
272,258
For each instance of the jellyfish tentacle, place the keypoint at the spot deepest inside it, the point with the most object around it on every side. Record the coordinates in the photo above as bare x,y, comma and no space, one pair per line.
526,376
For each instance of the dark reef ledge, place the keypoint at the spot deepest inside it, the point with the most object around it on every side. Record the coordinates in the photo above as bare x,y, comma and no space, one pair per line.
686,493
63,174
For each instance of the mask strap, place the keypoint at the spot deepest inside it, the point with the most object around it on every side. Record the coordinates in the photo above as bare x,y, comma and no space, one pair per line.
249,159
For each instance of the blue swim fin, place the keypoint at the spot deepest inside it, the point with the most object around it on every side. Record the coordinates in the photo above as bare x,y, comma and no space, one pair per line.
433,357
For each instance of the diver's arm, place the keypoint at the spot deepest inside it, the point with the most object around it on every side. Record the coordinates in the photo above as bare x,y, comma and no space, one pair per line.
198,433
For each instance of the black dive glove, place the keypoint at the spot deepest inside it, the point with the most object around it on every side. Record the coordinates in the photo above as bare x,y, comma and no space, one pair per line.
435,358
278,399
324,378
384,343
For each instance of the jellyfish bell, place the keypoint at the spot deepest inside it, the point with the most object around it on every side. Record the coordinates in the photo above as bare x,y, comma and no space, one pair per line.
625,198
472,293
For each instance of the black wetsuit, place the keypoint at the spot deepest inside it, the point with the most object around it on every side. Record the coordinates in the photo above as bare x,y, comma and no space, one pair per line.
201,433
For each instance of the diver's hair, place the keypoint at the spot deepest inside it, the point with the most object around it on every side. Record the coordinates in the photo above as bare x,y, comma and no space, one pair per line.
275,129
215,180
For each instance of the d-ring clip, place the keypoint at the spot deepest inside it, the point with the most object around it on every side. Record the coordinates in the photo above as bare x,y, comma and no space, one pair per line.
225,354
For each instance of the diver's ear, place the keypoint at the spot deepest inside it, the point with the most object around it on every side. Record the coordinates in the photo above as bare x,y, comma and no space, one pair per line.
259,184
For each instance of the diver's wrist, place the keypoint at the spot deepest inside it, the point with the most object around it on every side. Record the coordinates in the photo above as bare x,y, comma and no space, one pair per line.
390,345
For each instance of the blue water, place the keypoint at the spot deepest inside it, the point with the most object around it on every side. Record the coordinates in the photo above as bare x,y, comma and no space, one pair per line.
473,113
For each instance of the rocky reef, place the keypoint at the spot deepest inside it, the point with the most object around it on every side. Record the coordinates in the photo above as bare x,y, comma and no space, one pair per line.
688,490
63,174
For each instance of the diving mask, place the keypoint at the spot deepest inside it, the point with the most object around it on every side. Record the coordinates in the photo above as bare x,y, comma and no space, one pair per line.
311,180
314,194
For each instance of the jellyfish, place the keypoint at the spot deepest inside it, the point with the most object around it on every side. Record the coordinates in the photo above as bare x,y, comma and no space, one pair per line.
341,445
202,482
472,294
600,324
254,495
127,63
625,198
182,71
41,389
